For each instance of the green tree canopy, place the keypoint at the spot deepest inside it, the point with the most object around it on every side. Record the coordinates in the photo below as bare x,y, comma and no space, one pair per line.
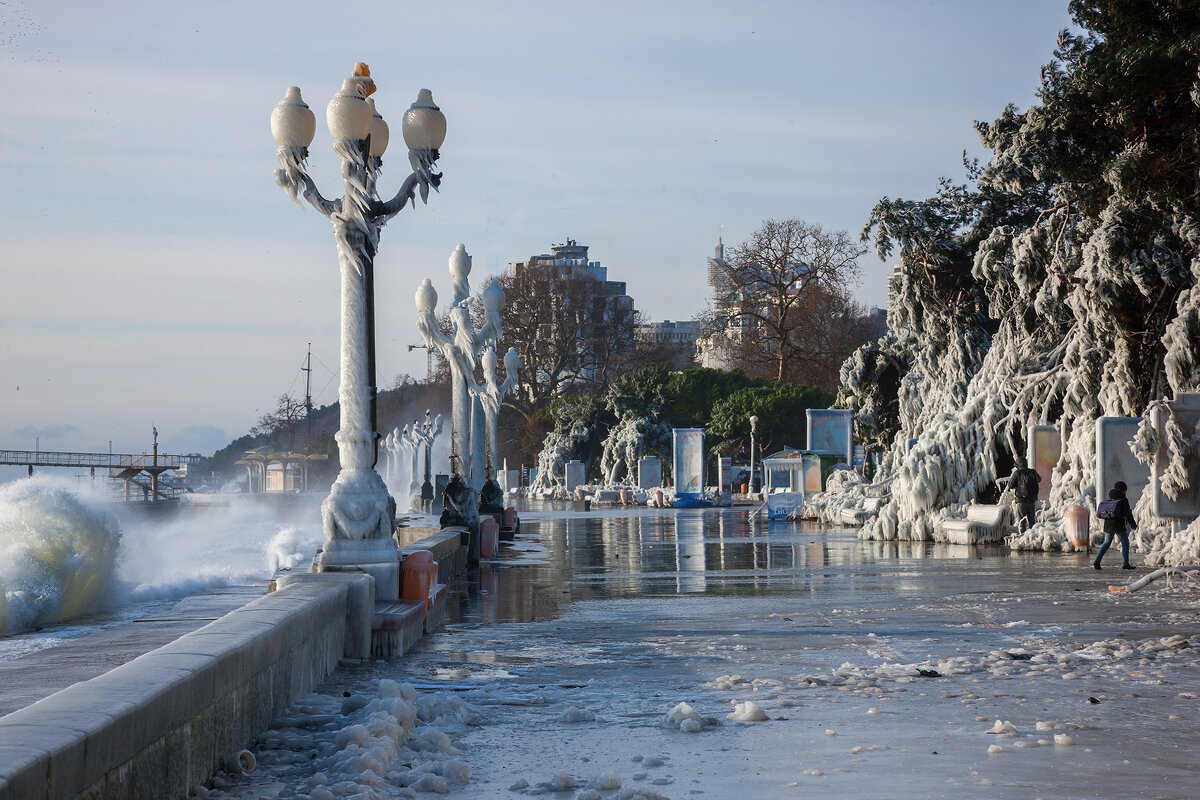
780,408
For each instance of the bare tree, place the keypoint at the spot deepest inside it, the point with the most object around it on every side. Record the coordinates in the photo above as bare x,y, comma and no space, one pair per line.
826,326
285,425
790,296
571,334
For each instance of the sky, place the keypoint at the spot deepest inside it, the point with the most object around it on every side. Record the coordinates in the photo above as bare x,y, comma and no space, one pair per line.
153,274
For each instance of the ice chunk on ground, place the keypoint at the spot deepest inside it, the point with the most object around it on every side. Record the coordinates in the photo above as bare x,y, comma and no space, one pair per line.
1004,729
747,712
577,715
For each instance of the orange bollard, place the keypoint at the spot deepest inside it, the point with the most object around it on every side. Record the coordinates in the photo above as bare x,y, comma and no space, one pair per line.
1077,520
489,537
624,497
418,576
510,518
658,498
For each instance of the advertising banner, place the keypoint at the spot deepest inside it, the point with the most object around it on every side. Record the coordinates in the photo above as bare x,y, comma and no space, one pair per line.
689,461
831,430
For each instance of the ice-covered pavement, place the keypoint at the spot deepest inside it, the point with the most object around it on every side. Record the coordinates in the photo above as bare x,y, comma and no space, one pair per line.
696,654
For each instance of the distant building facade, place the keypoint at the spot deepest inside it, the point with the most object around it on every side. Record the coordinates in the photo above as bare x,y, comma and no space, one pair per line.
681,332
600,310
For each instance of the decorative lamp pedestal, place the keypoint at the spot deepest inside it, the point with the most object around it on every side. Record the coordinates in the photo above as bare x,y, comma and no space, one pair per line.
358,517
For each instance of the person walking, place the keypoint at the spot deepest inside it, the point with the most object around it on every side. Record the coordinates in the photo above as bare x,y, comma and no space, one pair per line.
1025,483
1118,521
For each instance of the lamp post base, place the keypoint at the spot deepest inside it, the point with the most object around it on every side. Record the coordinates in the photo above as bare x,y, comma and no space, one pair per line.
358,518
460,508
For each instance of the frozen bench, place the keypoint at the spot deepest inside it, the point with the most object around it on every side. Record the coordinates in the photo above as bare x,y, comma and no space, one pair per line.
860,516
982,525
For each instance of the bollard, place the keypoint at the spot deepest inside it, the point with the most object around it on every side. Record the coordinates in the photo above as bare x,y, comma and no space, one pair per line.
625,497
1077,520
489,532
658,498
418,576
510,518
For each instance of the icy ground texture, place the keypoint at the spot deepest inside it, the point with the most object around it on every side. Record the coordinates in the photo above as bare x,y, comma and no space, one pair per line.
640,654
385,740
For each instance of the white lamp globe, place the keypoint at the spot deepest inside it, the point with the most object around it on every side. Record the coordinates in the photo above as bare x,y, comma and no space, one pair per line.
460,263
379,131
426,296
492,297
293,123
512,361
424,125
348,115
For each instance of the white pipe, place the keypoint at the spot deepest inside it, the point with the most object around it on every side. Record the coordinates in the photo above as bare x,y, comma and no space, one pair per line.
240,762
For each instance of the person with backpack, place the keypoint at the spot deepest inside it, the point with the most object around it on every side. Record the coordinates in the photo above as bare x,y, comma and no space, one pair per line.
1118,521
1025,483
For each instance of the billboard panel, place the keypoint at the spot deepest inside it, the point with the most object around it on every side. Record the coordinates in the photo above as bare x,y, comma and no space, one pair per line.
689,460
831,430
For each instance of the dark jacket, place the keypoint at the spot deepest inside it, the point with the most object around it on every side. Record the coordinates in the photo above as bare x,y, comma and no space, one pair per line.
1124,514
1024,483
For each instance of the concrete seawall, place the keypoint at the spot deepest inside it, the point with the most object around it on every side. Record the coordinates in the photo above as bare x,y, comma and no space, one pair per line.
160,724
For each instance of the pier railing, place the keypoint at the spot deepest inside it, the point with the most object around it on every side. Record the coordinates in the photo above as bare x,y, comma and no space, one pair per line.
50,458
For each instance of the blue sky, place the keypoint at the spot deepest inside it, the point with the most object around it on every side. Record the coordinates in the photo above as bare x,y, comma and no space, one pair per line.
152,273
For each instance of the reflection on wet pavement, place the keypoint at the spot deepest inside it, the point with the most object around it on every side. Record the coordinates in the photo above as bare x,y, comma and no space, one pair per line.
709,653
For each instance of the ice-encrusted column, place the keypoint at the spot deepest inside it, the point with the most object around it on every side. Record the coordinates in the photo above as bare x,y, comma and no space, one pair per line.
460,348
359,514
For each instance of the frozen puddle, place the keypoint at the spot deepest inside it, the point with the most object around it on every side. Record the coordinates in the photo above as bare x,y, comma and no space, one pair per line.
849,674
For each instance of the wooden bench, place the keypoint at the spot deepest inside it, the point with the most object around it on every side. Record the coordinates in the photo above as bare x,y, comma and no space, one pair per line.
982,525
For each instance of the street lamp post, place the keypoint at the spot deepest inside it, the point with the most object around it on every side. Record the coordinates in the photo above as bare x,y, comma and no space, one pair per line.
426,432
358,516
491,496
413,440
460,348
755,485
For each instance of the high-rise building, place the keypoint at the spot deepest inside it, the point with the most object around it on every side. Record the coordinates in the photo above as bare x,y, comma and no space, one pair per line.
597,311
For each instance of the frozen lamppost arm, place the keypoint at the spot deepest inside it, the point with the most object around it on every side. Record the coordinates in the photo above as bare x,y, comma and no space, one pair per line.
424,130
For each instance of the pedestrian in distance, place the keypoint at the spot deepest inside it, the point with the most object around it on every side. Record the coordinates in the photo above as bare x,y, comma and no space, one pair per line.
1025,483
1118,521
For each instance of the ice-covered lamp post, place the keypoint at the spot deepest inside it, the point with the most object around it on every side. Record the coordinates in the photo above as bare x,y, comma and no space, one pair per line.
391,452
491,496
753,433
358,515
413,441
425,433
460,348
